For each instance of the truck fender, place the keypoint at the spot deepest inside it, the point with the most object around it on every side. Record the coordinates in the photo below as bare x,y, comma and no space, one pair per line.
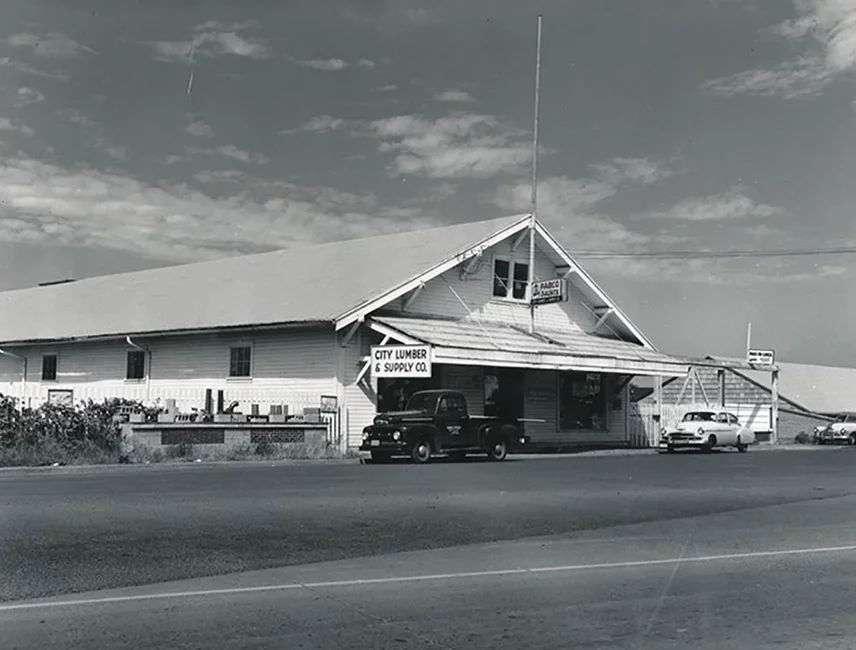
425,432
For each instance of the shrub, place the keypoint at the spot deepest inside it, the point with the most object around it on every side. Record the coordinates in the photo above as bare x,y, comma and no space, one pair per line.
802,438
87,432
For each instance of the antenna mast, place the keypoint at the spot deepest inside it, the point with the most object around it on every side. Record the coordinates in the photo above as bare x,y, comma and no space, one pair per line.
534,205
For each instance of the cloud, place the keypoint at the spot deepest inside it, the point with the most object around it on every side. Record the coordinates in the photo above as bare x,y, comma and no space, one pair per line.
318,124
26,96
117,153
454,95
214,39
801,77
75,116
460,145
830,28
231,151
25,68
41,202
7,125
572,208
56,45
200,130
335,64
386,89
733,204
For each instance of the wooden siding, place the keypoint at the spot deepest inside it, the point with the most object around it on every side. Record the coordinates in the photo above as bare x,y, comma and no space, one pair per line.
470,381
360,400
470,297
293,367
792,423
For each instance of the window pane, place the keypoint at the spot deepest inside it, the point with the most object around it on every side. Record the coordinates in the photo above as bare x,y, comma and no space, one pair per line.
49,367
239,364
521,280
136,368
582,403
501,270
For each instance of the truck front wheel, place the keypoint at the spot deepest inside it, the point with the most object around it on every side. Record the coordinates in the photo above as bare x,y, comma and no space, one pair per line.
421,451
497,450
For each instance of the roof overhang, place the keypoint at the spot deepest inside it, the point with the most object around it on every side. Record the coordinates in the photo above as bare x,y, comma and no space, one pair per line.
539,356
236,329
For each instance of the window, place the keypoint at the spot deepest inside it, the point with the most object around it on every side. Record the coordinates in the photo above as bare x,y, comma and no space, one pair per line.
582,402
452,404
240,361
49,365
136,365
510,279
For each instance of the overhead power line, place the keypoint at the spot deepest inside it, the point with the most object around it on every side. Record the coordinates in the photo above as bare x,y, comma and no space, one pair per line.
693,255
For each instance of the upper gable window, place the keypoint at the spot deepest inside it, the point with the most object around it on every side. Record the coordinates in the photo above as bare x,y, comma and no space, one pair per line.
510,279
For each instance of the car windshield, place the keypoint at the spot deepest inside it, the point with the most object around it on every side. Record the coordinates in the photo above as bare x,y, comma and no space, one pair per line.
699,416
422,402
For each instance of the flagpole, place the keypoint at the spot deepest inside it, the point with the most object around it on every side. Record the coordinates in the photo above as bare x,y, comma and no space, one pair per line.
534,205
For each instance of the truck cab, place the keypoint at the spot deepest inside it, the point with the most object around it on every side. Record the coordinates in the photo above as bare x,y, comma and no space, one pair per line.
438,422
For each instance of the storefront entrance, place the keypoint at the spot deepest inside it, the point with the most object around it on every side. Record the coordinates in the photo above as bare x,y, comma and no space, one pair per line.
503,393
392,394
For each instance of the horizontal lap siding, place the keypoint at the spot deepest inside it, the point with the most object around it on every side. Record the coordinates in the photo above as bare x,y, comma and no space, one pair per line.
470,297
360,401
294,367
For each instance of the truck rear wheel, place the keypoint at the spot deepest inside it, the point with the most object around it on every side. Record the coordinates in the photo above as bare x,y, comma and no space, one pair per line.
497,450
421,451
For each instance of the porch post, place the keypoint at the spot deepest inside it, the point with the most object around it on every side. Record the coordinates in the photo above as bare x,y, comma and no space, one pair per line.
774,410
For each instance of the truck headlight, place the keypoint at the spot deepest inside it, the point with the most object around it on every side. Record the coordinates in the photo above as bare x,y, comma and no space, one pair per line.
396,435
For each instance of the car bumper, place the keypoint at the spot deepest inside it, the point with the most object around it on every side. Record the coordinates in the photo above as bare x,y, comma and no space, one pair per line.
386,446
833,437
682,443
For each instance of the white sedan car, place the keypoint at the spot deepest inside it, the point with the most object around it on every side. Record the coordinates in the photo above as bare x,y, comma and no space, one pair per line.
705,430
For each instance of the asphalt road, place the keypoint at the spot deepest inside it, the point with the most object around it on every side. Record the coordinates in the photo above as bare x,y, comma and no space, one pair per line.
727,550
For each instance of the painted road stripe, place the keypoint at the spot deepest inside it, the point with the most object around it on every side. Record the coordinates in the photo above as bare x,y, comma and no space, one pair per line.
431,577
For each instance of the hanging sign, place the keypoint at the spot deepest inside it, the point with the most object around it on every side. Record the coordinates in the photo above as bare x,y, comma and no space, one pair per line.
401,361
547,291
760,357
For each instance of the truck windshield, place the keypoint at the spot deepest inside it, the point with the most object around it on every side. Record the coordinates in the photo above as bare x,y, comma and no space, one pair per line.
426,402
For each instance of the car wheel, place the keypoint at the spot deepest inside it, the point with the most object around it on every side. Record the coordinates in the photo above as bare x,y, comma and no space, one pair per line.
421,451
709,445
741,447
852,439
497,450
381,456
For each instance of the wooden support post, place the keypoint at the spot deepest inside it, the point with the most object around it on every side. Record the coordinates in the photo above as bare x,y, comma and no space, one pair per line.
654,437
774,410
720,375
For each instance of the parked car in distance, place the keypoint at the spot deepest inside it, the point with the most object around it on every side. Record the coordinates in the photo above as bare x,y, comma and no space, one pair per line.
438,422
705,430
841,430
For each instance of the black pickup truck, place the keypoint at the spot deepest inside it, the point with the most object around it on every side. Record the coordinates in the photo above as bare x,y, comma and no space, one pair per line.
437,422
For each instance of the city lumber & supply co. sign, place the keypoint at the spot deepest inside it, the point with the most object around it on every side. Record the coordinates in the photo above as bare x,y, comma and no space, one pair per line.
548,291
398,361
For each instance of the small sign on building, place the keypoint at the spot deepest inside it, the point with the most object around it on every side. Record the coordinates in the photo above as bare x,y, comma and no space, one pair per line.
761,357
401,361
548,291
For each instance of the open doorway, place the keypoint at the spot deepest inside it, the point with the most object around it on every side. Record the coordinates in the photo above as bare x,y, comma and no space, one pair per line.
503,393
392,394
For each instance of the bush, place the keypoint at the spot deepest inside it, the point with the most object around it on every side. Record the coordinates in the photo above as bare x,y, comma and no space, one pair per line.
802,438
55,433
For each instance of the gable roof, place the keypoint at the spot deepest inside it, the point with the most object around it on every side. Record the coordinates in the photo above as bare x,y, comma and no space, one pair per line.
334,283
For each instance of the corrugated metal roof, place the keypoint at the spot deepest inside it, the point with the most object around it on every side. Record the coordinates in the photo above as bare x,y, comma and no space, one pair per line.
475,335
306,283
819,389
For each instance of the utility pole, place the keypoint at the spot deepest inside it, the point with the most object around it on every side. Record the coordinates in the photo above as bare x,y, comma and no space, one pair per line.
534,205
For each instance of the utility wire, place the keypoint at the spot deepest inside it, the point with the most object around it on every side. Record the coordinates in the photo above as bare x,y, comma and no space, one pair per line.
690,255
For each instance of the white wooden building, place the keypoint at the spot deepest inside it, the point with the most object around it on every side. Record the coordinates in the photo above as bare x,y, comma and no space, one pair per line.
293,326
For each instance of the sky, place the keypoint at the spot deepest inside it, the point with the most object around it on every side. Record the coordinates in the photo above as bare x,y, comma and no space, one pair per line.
142,134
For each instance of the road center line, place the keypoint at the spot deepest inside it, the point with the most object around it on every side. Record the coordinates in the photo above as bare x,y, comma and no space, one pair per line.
430,577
